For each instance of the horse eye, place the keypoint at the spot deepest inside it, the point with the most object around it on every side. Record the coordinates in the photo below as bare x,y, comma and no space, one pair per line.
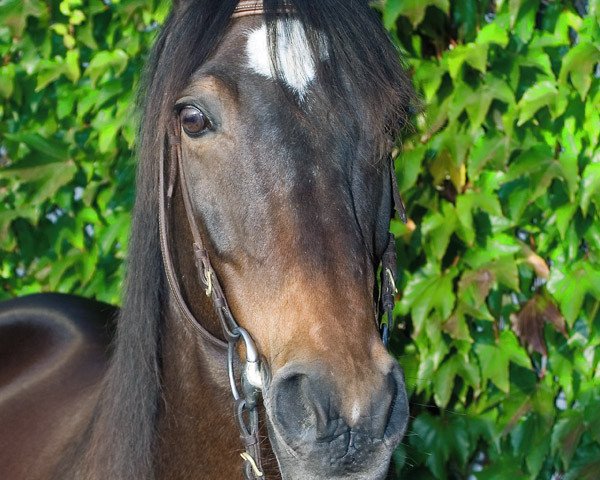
193,121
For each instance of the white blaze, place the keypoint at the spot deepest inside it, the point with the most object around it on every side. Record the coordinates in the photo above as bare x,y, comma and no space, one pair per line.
295,58
355,414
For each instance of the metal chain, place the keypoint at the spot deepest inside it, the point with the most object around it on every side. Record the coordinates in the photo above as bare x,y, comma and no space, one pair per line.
245,405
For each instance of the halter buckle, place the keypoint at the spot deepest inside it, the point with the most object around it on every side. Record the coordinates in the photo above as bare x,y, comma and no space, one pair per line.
250,459
390,277
208,282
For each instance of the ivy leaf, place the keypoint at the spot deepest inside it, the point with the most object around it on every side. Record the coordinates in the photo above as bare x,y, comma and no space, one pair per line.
428,77
494,365
537,263
438,438
48,148
456,326
445,167
539,59
414,10
586,467
428,290
438,227
48,177
490,150
590,187
473,289
443,382
495,358
530,439
541,95
493,33
564,215
579,64
570,285
7,78
529,322
102,61
473,54
408,166
514,7
14,13
566,435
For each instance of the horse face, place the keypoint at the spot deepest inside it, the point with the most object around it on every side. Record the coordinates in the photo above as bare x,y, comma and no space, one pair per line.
294,207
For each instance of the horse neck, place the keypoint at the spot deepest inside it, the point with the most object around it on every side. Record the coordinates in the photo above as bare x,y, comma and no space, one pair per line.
196,432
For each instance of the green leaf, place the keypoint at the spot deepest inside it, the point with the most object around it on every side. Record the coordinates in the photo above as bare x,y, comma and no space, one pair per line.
428,290
409,166
438,228
493,33
102,61
7,78
414,10
514,7
586,467
530,439
438,438
473,54
566,435
428,76
541,95
494,365
569,286
14,13
579,64
537,58
443,382
49,148
590,187
494,359
72,71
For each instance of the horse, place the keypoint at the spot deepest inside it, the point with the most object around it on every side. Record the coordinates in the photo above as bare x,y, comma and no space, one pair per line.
248,343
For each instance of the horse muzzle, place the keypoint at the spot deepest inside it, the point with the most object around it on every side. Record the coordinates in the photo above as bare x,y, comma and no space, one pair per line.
313,439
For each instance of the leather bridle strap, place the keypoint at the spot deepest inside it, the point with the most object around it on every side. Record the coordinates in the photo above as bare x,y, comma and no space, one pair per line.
389,264
247,8
246,398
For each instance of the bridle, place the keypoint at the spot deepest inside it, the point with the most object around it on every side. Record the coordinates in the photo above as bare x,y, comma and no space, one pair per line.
251,379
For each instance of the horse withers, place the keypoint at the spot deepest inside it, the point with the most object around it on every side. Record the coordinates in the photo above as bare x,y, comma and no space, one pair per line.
264,197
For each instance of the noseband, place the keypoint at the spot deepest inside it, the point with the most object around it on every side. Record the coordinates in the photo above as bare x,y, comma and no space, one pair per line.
251,378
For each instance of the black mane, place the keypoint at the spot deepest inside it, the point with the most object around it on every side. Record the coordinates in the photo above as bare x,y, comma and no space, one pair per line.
120,440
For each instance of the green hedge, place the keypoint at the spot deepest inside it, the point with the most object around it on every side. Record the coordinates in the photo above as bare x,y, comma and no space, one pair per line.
499,311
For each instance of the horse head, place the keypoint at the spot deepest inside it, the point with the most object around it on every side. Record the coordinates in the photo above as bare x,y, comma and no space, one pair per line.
279,120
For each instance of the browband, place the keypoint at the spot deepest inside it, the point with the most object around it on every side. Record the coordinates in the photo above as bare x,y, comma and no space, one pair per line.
246,8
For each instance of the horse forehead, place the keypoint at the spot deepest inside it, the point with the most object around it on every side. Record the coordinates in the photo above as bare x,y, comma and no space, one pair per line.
294,58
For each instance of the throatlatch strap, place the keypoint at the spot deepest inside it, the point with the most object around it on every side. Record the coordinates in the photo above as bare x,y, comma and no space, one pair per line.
389,266
398,203
388,289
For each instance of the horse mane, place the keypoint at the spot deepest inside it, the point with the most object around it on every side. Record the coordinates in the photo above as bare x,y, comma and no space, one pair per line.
119,442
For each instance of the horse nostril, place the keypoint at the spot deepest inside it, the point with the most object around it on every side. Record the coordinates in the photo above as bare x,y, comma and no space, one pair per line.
292,411
382,406
396,415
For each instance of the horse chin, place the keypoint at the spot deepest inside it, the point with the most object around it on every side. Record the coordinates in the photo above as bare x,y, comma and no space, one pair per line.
320,467
323,460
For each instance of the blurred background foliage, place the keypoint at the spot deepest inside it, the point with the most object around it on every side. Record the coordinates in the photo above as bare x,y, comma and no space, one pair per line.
499,263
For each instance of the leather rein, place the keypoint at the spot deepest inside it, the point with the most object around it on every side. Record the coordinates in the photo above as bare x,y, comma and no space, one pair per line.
251,378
